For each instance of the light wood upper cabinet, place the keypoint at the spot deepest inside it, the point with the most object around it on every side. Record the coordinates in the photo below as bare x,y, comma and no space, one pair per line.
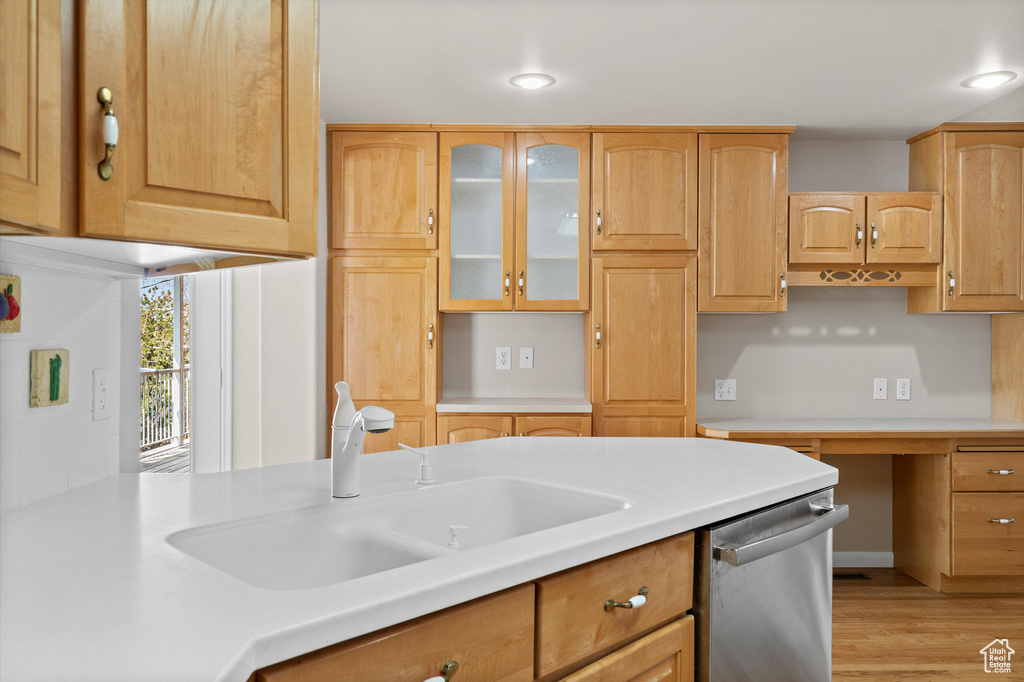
858,229
218,115
30,126
904,227
742,222
826,228
383,190
552,231
477,242
981,177
643,364
645,191
384,336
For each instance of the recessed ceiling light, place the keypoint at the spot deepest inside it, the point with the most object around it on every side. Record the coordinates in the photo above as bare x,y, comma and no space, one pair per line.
531,81
989,80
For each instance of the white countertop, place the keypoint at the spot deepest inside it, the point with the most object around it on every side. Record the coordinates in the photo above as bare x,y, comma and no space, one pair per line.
905,428
505,405
91,590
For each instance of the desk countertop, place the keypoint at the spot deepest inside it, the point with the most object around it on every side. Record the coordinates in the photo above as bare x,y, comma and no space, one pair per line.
859,428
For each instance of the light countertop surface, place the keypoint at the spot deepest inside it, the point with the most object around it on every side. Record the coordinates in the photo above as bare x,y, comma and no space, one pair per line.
91,590
505,405
852,428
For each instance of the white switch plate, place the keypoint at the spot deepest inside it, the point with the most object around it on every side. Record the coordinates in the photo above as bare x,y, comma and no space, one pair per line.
102,393
881,390
903,389
526,357
725,389
504,359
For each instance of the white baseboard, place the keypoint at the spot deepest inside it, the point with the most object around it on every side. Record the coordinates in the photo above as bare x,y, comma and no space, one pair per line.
861,559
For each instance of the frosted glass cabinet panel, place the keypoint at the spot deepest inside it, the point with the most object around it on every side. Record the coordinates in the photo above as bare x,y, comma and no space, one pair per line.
476,213
552,226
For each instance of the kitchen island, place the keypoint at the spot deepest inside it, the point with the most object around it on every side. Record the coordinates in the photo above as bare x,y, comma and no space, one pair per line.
90,588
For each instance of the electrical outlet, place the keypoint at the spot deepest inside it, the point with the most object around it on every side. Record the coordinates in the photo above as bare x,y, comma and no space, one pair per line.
504,357
102,393
526,357
881,390
903,389
725,389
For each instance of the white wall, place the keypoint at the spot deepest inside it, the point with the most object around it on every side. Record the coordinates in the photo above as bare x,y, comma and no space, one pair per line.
279,365
819,358
45,451
469,343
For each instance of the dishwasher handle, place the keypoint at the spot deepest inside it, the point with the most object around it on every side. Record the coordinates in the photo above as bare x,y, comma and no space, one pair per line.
745,554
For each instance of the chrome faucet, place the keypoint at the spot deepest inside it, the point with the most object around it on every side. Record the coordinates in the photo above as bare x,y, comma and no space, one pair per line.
348,431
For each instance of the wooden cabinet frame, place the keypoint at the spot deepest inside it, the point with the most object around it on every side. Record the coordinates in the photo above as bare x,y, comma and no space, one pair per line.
478,426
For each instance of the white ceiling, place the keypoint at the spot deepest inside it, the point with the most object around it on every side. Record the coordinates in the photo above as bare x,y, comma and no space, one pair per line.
837,69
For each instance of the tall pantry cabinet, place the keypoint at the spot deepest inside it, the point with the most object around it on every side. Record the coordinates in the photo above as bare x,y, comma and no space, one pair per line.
383,330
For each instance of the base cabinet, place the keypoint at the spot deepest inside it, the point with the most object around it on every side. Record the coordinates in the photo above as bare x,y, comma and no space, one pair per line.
461,428
557,628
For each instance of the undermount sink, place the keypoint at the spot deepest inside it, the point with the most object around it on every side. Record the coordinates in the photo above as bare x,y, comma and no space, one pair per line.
349,539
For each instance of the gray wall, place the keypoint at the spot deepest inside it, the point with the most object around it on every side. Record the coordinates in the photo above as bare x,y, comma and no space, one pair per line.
469,343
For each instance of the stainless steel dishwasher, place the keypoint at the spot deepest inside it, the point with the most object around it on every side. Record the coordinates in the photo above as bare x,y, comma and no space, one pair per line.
764,593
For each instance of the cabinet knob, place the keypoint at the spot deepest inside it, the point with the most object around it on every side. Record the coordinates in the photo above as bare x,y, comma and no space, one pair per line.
597,333
1001,472
508,282
632,603
599,221
430,222
1000,520
522,279
446,672
106,99
874,235
430,335
860,235
952,282
782,284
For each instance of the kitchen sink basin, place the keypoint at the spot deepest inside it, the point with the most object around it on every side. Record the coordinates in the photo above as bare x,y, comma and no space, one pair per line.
349,539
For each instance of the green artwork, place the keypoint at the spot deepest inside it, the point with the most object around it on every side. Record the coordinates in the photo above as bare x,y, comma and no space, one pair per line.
55,363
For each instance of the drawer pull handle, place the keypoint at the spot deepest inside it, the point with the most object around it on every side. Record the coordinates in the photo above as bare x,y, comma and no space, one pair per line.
446,672
1001,472
634,602
1000,520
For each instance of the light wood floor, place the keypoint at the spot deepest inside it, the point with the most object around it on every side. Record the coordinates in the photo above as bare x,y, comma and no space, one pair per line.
892,627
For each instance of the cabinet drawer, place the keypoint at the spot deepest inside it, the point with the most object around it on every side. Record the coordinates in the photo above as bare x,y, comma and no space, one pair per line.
491,638
984,471
665,655
572,622
984,547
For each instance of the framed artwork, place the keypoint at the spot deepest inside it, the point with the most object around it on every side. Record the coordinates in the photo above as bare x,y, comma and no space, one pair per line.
50,371
10,304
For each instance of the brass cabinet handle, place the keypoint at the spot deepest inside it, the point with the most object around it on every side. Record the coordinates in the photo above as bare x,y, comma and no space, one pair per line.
522,278
860,235
504,435
633,603
106,99
597,333
782,285
430,222
521,434
447,671
599,221
1000,520
874,235
430,335
1001,472
952,282
508,281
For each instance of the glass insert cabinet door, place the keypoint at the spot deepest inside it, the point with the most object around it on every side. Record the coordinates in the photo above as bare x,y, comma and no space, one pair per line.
476,213
552,265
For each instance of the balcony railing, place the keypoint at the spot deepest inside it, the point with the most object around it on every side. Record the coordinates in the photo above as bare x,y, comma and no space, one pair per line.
165,401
